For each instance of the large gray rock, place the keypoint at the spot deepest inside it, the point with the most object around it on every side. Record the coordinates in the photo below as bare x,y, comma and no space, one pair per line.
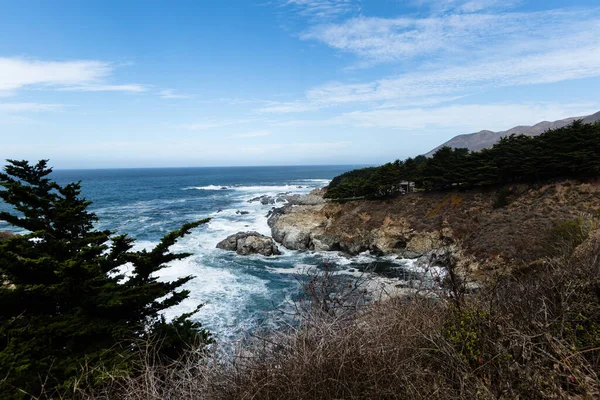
245,243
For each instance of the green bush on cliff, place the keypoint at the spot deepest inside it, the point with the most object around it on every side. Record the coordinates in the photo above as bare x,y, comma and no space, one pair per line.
501,198
66,304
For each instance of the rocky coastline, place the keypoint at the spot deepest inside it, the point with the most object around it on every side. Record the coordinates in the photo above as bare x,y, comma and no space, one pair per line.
437,227
312,223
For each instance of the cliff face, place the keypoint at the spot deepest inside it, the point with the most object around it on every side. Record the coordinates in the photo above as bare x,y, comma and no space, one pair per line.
426,224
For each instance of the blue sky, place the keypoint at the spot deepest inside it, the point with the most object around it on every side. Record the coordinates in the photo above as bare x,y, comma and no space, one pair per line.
283,82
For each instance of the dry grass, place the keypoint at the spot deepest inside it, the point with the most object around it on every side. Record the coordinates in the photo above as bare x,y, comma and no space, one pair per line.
533,334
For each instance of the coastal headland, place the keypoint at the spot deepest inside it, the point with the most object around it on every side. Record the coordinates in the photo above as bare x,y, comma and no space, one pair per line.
427,225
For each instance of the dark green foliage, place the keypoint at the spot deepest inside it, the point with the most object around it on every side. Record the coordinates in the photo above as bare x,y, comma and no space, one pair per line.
350,184
569,152
565,237
501,199
65,301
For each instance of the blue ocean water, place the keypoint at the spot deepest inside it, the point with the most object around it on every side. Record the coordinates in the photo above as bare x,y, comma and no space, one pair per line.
238,292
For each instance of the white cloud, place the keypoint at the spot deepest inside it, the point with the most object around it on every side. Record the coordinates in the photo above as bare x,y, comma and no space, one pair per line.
86,75
322,9
11,108
473,35
456,118
426,85
466,118
455,54
213,123
296,149
252,134
20,113
132,88
466,6
171,94
288,107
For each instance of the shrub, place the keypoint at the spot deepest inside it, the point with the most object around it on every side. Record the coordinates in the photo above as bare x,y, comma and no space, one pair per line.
501,199
566,236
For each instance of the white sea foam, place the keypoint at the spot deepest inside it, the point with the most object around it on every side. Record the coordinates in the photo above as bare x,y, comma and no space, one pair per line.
236,289
224,293
323,182
265,189
207,187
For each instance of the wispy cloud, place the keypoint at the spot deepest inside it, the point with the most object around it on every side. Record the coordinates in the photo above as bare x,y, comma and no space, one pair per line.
455,35
560,65
213,123
83,75
20,113
252,134
322,9
566,49
172,94
305,149
29,107
466,6
289,107
465,118
462,118
132,88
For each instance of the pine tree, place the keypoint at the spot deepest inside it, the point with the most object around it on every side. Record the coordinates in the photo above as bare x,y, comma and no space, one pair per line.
65,300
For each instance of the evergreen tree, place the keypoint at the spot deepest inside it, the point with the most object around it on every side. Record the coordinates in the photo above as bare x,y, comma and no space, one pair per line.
65,300
569,152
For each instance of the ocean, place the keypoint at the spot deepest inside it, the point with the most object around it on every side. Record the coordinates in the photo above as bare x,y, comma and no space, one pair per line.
239,293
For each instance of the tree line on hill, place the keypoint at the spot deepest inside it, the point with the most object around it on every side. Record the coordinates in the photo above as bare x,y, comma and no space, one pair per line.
569,152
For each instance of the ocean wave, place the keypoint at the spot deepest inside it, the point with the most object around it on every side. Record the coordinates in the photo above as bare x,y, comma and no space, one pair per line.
244,188
323,181
225,293
208,187
309,183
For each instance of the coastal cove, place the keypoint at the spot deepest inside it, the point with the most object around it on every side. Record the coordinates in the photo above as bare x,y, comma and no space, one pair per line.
239,293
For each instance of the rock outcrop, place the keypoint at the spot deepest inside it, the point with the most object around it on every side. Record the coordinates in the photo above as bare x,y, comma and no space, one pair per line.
317,227
428,225
245,243
313,198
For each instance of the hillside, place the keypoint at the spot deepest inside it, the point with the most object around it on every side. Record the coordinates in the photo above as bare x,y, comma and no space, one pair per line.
485,139
421,225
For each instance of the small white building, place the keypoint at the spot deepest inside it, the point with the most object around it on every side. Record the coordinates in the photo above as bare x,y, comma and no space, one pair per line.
407,186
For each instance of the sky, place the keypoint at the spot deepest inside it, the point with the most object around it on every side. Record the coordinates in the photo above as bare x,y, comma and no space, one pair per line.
112,84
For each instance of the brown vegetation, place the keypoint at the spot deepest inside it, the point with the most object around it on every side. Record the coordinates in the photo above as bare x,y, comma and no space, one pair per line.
517,232
533,333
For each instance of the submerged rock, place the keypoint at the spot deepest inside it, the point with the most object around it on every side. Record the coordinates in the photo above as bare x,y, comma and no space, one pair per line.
245,243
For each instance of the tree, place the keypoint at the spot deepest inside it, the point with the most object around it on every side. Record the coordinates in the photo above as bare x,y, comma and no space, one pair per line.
65,300
572,151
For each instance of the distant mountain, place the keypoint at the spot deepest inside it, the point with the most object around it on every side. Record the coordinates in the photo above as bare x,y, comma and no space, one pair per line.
485,139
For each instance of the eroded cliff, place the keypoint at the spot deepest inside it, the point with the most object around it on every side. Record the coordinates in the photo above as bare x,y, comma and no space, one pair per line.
429,224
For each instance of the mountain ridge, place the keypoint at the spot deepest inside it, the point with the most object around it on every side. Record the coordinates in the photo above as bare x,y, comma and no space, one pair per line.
485,139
